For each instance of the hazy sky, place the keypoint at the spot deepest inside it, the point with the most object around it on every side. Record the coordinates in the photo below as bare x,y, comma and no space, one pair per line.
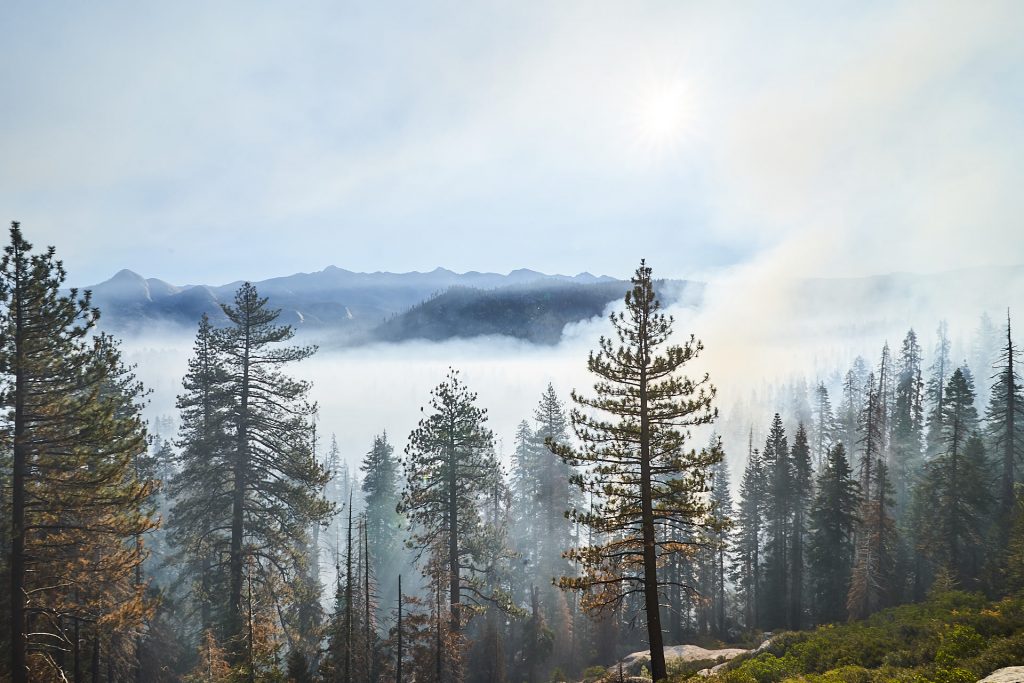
205,142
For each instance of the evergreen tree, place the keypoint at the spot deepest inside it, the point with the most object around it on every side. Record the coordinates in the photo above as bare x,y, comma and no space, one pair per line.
871,580
825,430
552,486
956,482
907,421
833,519
800,457
1004,427
854,392
204,442
749,547
941,368
721,499
383,523
637,465
778,519
449,470
267,484
78,510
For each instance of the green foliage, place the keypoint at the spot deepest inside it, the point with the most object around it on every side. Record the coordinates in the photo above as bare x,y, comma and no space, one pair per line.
952,637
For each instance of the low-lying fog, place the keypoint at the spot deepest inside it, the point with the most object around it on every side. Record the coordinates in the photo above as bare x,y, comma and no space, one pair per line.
759,329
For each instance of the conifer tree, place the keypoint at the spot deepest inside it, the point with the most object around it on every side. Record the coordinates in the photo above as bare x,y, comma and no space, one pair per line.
778,510
632,437
1004,427
749,547
956,483
78,510
941,369
204,442
800,457
874,555
854,391
825,429
907,421
553,486
833,519
383,523
871,580
721,498
267,484
449,470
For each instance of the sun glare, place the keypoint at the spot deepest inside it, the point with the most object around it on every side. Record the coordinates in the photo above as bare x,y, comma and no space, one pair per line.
662,118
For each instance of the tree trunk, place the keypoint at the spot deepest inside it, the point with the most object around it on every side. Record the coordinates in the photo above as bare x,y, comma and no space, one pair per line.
651,606
238,506
19,645
398,663
1009,446
453,555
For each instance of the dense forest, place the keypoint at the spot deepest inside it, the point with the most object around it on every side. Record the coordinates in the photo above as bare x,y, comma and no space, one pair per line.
241,545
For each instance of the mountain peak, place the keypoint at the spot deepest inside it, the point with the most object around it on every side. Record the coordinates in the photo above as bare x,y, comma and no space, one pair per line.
126,275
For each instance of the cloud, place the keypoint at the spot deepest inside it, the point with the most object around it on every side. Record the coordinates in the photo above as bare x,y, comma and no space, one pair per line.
208,143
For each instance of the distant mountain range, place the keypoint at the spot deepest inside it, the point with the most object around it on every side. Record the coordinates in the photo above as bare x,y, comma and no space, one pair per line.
337,307
344,307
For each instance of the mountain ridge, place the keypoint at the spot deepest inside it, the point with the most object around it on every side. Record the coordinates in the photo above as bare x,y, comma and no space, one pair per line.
349,305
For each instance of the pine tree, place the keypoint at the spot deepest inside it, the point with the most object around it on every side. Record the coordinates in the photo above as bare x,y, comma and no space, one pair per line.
825,430
553,486
854,392
871,580
833,519
1004,427
449,468
907,421
638,467
941,368
721,499
778,520
74,432
749,547
956,482
261,492
383,523
800,457
871,585
204,443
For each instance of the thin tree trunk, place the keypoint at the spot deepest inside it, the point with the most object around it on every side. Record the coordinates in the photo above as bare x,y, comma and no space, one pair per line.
398,664
238,501
348,596
453,557
366,605
651,606
19,645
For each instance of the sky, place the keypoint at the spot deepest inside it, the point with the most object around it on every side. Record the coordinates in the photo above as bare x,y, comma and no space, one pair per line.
210,142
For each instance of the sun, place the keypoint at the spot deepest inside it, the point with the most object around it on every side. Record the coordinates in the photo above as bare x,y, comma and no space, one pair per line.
662,118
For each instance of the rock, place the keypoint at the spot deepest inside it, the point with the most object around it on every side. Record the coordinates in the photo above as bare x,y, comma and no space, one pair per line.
1011,674
686,653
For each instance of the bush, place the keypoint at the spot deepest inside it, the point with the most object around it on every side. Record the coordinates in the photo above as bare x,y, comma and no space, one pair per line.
952,638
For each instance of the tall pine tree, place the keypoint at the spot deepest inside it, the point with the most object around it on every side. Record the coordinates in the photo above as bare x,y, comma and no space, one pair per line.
632,436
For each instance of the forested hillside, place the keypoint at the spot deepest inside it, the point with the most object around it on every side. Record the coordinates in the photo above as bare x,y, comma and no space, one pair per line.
243,546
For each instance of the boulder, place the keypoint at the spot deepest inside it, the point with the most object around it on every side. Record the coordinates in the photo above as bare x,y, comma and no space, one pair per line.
1011,674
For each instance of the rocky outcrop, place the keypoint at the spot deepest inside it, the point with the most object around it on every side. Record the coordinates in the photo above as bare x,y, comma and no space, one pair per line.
1011,674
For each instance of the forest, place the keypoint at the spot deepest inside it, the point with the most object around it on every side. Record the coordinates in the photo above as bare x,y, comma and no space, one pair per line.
241,545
